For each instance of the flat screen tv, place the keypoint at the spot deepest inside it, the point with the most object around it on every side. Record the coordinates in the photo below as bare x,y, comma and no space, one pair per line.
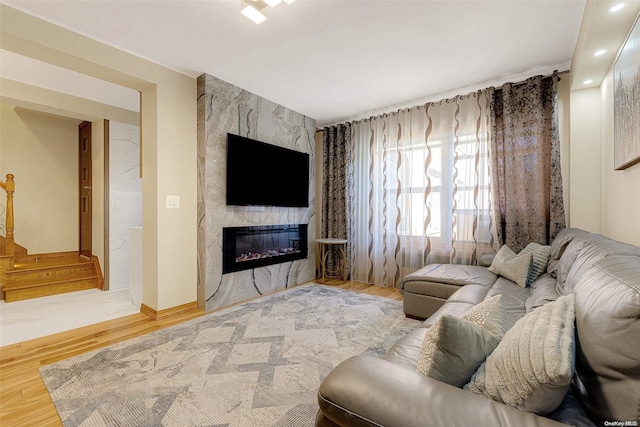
261,174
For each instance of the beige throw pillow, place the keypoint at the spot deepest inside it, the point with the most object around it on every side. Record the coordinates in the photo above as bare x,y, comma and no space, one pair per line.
511,266
453,348
531,368
490,314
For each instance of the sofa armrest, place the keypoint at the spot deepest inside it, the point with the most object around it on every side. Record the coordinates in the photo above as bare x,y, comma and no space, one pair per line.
367,391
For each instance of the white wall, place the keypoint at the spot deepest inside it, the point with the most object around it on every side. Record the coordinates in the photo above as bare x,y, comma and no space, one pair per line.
620,189
585,161
602,199
41,150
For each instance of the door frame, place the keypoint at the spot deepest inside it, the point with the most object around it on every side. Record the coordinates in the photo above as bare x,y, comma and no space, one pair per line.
85,203
107,206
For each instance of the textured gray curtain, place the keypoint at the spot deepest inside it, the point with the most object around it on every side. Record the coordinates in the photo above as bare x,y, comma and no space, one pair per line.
336,185
525,162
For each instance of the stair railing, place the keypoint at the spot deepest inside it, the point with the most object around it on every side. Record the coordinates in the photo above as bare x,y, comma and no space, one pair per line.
9,186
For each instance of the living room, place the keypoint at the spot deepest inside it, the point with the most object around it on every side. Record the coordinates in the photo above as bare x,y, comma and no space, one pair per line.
597,198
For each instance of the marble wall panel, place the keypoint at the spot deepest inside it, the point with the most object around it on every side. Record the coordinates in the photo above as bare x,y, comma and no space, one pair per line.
224,108
125,198
135,265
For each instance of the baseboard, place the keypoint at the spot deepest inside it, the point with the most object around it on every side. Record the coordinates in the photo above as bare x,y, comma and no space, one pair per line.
168,312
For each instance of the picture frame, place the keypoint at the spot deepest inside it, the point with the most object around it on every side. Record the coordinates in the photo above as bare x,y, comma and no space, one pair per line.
626,102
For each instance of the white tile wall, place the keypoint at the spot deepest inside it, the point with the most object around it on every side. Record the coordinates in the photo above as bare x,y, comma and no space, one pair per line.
125,197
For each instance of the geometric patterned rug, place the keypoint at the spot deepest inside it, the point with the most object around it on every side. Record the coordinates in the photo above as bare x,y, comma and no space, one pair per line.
256,364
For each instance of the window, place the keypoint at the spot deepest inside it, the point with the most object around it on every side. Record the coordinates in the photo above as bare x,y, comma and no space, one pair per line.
435,188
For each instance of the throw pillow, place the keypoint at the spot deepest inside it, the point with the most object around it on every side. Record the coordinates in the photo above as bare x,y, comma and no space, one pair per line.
511,266
531,368
453,349
490,314
447,353
540,258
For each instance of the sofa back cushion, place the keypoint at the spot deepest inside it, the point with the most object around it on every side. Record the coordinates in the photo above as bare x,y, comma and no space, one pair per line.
559,245
607,305
543,290
583,251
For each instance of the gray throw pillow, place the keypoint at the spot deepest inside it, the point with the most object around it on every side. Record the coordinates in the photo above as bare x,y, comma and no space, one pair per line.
453,349
511,266
531,368
540,258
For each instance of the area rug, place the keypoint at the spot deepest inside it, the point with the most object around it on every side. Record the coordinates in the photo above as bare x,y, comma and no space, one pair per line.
256,364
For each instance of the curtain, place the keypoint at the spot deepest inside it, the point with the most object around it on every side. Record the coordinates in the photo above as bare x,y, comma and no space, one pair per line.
421,191
336,189
525,157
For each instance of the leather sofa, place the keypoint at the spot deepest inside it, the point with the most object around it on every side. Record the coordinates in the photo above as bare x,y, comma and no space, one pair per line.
604,276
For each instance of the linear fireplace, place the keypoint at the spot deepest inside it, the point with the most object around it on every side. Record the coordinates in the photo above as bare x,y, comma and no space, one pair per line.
257,246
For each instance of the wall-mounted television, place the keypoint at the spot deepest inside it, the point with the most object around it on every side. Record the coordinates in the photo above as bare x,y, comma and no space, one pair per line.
261,174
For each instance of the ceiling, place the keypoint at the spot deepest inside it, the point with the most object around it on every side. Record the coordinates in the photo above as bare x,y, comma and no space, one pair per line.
334,60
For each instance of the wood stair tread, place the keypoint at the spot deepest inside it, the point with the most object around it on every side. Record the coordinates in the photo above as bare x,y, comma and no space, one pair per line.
40,290
12,286
50,262
19,269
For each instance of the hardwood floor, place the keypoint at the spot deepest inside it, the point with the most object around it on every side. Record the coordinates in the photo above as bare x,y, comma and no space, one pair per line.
24,399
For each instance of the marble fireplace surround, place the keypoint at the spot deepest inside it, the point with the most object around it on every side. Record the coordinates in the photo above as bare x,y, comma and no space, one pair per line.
224,108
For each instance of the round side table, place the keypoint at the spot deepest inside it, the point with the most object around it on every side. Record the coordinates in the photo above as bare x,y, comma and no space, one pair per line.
323,246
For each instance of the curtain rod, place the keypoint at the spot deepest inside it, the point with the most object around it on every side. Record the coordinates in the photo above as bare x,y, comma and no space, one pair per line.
418,104
560,73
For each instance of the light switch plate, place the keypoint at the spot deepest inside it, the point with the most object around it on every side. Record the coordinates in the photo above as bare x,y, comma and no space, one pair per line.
173,202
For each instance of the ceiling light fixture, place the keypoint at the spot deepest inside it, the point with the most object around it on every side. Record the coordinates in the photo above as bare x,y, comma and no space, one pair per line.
600,52
587,82
255,9
616,7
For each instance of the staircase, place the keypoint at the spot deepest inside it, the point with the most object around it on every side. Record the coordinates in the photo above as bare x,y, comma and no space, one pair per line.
24,276
41,275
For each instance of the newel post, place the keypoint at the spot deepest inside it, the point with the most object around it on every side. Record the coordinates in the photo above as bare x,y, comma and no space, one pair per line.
10,187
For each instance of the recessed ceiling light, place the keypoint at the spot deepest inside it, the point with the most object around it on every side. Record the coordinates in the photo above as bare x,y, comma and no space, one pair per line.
273,3
587,82
599,52
616,7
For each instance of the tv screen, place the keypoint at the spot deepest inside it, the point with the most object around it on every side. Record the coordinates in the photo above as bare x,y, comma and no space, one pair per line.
260,174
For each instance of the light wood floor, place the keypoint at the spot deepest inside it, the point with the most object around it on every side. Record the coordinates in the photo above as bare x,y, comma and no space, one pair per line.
24,399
